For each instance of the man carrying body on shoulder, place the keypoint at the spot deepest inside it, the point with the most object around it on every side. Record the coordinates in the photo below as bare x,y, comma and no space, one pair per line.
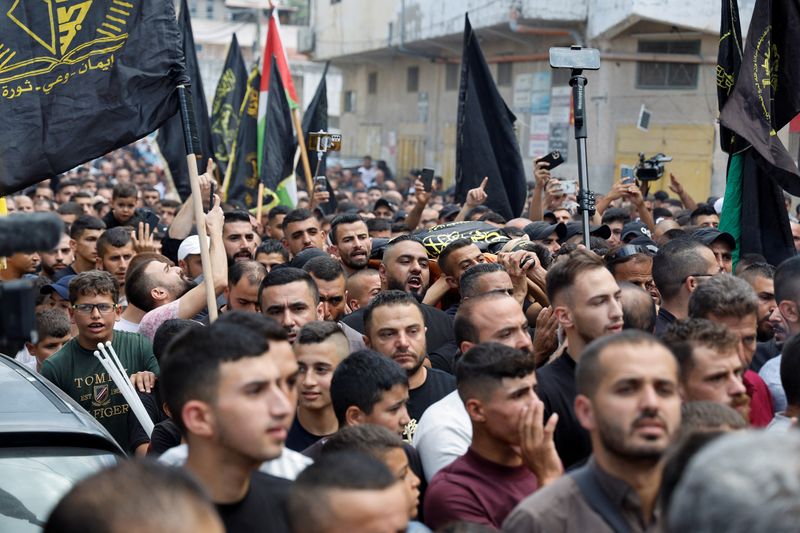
222,388
629,403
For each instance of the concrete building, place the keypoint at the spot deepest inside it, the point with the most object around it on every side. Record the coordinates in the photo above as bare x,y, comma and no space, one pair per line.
400,62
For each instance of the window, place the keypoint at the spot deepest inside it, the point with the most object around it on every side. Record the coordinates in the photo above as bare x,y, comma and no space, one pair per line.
372,83
504,74
412,79
349,101
210,9
451,77
652,75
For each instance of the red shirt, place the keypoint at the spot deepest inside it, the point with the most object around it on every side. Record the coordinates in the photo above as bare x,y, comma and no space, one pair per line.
474,489
761,411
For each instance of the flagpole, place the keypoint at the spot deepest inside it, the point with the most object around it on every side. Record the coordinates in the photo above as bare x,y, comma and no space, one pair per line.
260,203
298,126
189,135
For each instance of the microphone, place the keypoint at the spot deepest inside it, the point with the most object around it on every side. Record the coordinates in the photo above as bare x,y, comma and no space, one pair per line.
29,232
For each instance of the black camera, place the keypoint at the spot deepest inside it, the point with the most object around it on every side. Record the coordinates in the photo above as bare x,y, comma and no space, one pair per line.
651,169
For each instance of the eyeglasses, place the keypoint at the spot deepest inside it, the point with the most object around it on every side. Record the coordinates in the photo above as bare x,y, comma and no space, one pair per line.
88,309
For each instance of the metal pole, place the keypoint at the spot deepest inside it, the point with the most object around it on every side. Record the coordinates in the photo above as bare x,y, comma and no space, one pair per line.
586,200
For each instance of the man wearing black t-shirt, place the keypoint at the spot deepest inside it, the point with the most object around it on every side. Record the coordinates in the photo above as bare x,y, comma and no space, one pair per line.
395,327
223,387
587,302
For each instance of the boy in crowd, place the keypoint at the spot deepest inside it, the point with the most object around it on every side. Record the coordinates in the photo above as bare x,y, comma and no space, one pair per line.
53,330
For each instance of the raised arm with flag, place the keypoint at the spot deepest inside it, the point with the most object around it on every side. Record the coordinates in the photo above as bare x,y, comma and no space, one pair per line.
78,84
765,97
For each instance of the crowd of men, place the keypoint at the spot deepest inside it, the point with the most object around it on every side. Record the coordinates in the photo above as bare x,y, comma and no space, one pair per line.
358,381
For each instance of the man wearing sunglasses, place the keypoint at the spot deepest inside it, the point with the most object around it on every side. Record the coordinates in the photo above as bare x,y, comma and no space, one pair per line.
633,263
94,298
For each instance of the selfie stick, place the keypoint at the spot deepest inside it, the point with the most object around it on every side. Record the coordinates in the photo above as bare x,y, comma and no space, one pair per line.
579,59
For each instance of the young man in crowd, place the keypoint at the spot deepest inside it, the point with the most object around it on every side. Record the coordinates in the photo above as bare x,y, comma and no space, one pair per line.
319,348
221,387
301,230
94,307
512,450
761,277
189,257
731,302
83,234
271,253
628,401
238,236
586,300
58,259
114,253
53,331
711,369
394,326
328,274
274,227
362,286
244,280
351,242
290,297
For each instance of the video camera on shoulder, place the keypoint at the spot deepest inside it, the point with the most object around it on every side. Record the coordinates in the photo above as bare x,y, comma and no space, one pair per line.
651,169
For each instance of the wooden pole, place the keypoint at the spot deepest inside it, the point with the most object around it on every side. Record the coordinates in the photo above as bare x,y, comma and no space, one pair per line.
187,117
259,204
298,128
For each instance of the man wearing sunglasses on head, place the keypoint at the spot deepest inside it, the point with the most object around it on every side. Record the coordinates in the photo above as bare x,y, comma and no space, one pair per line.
94,298
633,263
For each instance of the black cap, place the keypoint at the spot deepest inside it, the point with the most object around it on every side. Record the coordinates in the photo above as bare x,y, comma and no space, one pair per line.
576,228
386,203
449,210
540,230
661,196
709,235
631,230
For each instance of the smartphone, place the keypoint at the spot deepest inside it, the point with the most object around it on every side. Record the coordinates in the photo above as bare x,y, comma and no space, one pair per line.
320,183
427,179
569,186
626,175
554,158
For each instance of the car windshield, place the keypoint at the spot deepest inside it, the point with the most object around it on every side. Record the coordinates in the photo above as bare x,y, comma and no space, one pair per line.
33,480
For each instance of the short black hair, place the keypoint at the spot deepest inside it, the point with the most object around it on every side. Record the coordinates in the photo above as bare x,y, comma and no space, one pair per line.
66,183
273,246
790,370
124,190
285,276
190,368
759,269
365,438
296,215
325,268
168,331
451,247
253,270
318,331
589,371
114,238
237,215
787,281
308,505
84,222
702,210
92,283
674,262
345,218
379,224
361,379
385,298
483,367
70,208
682,336
616,214
468,282
277,211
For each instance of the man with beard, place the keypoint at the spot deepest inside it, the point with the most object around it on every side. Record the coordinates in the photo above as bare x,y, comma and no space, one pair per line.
165,292
761,277
394,327
290,297
114,253
710,366
93,298
302,230
57,259
239,237
328,274
628,401
404,267
587,303
19,265
222,386
351,242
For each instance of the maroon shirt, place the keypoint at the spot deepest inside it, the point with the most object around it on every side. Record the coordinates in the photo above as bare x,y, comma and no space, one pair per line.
761,411
474,489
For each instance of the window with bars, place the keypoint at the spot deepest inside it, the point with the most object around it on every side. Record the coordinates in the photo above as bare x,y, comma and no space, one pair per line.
660,75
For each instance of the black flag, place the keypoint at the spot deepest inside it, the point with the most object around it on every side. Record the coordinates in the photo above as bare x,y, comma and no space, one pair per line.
226,105
316,119
79,81
242,173
729,60
279,144
486,144
764,99
170,136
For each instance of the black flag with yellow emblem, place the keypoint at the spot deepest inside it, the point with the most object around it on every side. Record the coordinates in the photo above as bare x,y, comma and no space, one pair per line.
729,61
241,177
80,78
227,101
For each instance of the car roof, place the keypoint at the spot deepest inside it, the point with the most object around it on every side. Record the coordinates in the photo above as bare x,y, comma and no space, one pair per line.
34,412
